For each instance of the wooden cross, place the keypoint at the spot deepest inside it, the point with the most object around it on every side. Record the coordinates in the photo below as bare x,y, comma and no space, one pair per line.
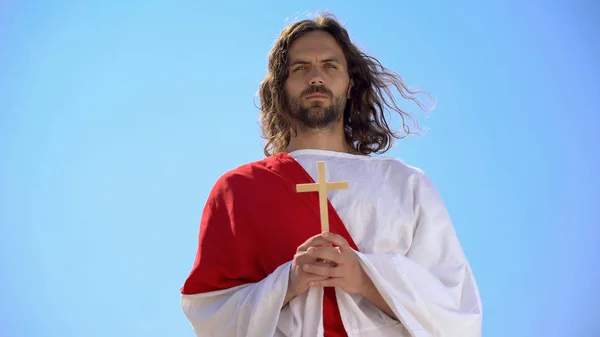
322,186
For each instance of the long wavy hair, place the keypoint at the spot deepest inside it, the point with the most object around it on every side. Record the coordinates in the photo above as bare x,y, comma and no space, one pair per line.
365,126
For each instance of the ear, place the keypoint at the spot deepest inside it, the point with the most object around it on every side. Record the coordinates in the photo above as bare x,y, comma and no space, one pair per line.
349,88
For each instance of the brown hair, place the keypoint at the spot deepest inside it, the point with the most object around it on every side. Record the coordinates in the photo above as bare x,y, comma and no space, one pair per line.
366,129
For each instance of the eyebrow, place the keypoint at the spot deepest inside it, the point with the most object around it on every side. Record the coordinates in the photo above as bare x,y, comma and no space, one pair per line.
334,59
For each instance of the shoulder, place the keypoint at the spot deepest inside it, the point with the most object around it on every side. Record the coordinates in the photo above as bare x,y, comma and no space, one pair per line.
243,172
398,173
397,168
417,179
246,175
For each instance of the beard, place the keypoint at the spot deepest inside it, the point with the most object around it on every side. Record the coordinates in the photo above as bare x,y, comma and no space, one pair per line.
317,114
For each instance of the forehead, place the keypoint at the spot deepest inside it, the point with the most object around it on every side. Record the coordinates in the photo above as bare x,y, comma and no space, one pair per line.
315,45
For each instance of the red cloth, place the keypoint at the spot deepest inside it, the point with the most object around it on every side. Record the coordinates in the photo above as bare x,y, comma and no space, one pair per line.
253,222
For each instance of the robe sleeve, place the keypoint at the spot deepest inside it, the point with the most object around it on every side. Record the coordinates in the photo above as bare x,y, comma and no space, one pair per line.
431,290
225,294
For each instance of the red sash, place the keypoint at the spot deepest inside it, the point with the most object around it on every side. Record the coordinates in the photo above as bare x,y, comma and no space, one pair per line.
253,222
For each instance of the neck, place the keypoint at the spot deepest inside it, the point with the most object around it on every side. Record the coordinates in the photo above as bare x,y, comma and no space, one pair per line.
331,139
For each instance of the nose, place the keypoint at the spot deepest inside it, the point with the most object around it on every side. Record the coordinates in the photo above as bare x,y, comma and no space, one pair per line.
315,76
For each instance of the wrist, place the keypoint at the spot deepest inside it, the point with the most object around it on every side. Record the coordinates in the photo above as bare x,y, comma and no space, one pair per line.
289,293
368,289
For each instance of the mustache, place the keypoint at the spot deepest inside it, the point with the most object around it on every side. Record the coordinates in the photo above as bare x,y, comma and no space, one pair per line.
317,89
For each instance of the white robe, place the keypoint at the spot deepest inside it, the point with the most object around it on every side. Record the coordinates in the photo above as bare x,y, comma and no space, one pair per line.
407,245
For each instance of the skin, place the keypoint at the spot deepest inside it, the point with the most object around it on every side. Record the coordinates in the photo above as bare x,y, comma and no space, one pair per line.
317,65
347,273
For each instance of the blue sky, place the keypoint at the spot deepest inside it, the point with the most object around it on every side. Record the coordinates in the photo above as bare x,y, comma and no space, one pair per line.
116,119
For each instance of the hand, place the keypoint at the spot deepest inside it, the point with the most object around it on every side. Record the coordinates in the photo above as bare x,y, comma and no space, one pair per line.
299,279
347,273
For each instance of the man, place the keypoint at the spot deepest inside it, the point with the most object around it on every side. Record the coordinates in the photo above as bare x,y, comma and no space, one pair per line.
390,265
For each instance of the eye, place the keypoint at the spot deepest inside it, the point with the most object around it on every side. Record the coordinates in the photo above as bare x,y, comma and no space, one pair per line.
330,65
298,68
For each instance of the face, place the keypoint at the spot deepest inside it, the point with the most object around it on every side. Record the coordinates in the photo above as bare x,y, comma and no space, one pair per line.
317,86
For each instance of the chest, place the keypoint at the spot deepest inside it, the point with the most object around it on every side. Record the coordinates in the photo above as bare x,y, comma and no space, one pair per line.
379,217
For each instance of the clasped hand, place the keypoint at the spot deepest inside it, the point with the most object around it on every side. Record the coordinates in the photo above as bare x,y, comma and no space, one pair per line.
326,260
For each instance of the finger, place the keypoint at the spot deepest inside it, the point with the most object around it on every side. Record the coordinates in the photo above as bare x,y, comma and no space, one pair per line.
303,258
322,270
315,241
330,254
308,277
333,264
337,240
329,282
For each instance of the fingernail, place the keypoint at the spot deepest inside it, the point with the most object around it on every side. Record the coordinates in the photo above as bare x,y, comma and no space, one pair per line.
305,267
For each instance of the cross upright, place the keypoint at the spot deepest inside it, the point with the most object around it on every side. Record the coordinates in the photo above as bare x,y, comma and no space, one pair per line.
322,186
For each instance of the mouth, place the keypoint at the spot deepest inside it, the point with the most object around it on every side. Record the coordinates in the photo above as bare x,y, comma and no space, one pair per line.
317,96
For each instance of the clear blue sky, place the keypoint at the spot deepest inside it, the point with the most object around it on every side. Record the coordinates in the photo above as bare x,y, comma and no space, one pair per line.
116,119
